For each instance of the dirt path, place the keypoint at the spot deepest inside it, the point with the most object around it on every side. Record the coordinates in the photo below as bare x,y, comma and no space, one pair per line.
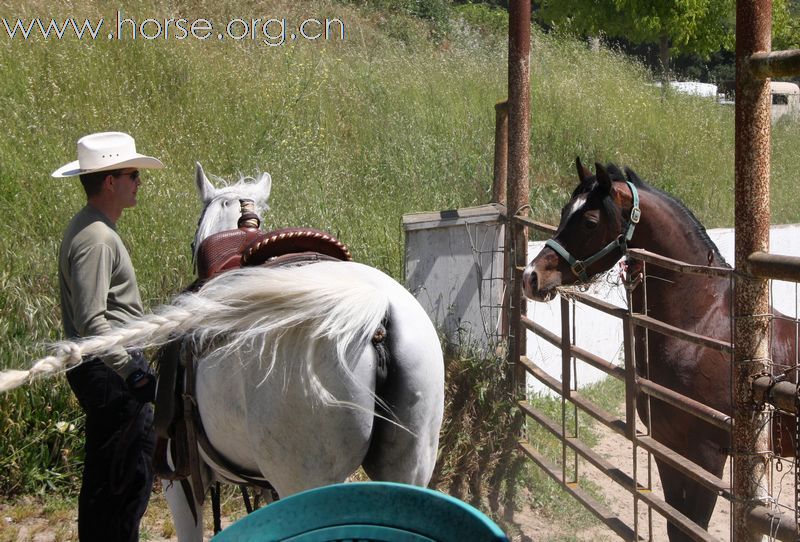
618,452
33,521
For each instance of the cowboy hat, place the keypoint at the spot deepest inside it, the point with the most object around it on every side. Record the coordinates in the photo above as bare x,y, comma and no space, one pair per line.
106,151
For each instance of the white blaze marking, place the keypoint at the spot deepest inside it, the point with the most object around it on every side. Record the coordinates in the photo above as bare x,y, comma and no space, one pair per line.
577,205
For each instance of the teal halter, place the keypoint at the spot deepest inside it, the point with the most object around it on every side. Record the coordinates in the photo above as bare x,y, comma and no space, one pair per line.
578,267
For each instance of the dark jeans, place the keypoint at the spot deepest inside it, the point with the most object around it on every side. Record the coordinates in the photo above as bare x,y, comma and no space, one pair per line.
117,469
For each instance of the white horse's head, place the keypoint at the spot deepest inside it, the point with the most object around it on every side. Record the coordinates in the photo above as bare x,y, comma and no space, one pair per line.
221,208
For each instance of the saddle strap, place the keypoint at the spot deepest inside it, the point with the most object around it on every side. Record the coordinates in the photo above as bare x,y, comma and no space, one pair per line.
190,414
198,439
168,420
166,392
179,457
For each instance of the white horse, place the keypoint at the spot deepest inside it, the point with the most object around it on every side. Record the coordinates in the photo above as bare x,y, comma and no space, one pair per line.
286,382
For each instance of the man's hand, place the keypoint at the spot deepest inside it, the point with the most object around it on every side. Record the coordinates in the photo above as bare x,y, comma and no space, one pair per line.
142,386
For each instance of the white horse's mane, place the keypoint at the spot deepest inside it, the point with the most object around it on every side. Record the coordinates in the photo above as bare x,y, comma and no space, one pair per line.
286,313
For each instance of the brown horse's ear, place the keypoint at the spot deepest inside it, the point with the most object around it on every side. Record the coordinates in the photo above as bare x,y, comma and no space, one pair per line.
603,180
583,171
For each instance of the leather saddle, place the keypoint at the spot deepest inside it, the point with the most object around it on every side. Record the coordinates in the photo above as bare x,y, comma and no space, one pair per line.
244,247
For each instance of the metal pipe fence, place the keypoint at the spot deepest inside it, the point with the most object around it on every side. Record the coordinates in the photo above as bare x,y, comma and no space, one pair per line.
772,519
755,510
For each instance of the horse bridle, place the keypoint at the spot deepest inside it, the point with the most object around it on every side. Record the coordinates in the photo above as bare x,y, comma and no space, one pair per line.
579,267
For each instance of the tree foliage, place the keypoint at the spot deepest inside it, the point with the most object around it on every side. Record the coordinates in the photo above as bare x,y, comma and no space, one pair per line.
698,27
785,24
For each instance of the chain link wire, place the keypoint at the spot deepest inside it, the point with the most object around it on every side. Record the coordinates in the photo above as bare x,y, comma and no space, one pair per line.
796,443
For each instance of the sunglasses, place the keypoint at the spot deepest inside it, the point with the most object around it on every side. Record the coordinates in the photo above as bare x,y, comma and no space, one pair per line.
133,175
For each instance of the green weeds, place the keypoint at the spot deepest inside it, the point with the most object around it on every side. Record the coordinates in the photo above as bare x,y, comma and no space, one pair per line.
397,117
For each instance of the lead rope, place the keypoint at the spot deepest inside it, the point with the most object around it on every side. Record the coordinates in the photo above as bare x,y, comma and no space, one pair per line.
248,218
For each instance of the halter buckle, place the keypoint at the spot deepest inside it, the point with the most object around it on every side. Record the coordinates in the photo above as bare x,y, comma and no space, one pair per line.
636,215
579,269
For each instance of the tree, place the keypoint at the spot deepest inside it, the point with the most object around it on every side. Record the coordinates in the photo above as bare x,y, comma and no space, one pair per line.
698,27
785,24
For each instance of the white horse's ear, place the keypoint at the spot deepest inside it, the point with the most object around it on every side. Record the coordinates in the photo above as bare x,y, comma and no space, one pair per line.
264,185
204,186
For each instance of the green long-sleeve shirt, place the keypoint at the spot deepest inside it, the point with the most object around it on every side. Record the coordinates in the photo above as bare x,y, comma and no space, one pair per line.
97,282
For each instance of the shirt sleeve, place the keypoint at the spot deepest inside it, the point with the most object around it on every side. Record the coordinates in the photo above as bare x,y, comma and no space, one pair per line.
90,282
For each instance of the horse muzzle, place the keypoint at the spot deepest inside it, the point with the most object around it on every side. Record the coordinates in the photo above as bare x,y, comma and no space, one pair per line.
533,286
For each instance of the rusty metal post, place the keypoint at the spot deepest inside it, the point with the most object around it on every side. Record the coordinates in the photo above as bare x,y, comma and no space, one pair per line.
752,212
500,152
519,43
499,187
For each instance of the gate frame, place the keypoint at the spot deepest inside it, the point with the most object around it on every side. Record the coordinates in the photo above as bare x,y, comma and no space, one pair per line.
754,266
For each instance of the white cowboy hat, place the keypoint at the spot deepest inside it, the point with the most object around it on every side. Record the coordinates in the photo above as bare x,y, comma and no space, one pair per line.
105,151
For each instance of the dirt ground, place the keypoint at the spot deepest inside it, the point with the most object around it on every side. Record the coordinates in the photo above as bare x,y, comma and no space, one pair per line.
618,452
43,526
32,522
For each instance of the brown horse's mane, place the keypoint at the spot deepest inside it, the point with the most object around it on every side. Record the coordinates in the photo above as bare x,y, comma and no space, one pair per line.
613,211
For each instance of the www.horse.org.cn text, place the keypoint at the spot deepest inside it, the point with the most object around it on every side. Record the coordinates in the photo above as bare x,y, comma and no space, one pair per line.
271,31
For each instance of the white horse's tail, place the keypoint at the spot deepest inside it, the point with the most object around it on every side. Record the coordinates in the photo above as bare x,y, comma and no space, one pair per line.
286,311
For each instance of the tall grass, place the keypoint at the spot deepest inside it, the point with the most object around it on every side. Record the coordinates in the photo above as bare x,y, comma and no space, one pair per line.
396,118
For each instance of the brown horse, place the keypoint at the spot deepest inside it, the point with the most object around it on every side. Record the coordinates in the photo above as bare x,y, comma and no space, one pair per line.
608,212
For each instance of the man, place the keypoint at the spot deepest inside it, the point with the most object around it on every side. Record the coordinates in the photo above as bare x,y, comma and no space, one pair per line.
98,290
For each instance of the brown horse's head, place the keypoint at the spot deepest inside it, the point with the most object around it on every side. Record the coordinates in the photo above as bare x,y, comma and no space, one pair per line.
591,235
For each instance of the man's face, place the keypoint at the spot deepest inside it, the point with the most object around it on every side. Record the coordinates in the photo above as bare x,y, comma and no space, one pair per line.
126,184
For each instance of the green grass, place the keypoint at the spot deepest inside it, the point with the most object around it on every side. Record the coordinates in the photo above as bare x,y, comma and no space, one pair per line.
54,517
340,126
398,117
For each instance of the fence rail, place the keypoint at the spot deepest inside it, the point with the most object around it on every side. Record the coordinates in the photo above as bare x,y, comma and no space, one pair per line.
681,267
781,394
774,266
541,227
775,64
622,428
575,351
754,64
619,477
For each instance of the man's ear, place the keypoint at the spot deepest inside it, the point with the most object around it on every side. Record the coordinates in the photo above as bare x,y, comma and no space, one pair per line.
109,182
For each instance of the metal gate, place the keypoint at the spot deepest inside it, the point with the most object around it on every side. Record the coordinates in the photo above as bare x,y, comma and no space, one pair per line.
754,266
768,516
